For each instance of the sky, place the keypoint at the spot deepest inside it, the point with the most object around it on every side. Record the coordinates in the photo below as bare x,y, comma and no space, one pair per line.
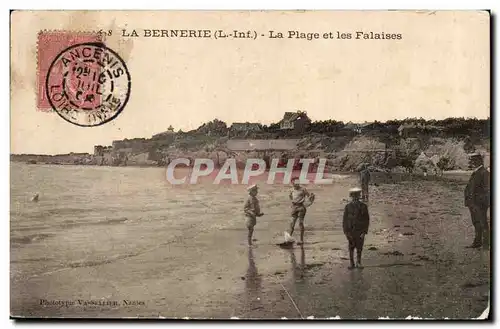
440,68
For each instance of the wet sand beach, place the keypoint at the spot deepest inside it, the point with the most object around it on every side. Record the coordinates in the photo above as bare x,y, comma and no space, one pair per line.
122,242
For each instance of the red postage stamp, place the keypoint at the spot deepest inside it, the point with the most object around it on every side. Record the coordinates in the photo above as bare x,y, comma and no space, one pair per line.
50,44
80,78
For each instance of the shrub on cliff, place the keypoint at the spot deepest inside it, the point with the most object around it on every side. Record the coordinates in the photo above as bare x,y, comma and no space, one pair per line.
213,128
444,163
451,153
425,164
361,150
326,126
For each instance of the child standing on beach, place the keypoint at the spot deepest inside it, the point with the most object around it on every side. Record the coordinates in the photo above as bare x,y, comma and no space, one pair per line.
299,196
252,211
355,225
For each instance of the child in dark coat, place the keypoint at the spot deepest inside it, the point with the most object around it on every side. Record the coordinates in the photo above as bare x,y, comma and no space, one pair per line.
355,224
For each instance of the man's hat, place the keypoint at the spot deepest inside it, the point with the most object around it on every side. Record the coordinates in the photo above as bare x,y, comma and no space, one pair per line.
252,187
354,191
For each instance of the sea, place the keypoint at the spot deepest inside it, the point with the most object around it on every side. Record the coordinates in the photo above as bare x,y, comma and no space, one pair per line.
86,215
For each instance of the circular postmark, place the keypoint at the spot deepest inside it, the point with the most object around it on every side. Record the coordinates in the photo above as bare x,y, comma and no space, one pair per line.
88,84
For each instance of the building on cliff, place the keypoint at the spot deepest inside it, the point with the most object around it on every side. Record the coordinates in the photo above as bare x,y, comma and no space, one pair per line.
297,122
262,144
100,150
246,126
170,132
413,129
358,128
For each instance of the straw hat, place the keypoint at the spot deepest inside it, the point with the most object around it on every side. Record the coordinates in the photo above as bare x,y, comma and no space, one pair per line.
252,187
354,190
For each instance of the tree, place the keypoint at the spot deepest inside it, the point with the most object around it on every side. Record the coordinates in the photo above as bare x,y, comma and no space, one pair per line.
443,164
408,162
213,128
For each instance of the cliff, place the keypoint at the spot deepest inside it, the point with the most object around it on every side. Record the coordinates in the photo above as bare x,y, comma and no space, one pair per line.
422,153
410,144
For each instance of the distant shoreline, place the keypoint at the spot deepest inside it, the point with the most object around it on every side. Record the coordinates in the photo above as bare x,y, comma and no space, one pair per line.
454,175
85,164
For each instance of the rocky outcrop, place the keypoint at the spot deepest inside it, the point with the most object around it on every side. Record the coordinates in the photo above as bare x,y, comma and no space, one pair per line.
345,152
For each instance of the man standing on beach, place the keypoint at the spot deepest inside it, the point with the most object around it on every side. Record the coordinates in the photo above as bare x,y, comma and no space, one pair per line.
355,224
252,211
365,181
477,199
299,196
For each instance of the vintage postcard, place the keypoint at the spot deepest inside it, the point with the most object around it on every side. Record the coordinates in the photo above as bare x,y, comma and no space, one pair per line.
250,164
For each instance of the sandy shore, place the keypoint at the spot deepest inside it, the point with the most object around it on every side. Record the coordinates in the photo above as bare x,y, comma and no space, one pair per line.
415,262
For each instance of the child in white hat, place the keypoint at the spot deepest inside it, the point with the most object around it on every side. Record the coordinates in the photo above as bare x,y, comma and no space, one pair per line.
252,211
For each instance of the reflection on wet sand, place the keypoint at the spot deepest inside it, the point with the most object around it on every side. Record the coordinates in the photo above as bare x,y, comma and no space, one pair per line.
298,287
298,271
253,284
357,288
